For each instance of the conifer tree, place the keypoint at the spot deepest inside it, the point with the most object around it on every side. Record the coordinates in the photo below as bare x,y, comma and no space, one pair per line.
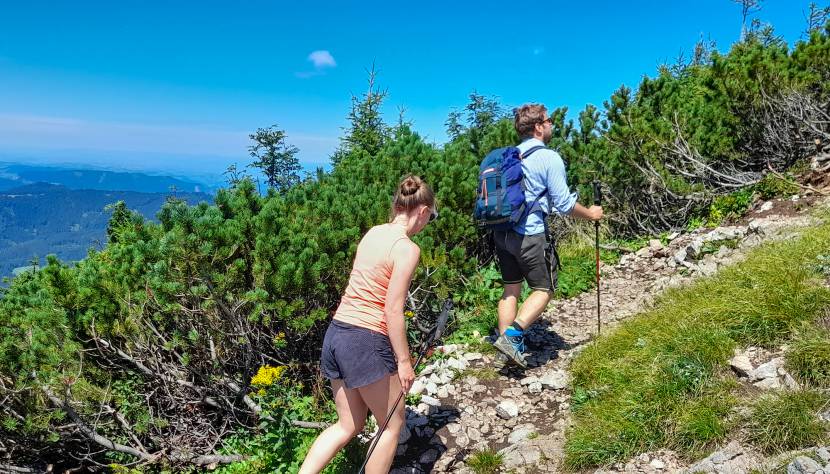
275,158
367,132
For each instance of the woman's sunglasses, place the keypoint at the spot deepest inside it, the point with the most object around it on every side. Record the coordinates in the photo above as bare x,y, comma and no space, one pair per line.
433,215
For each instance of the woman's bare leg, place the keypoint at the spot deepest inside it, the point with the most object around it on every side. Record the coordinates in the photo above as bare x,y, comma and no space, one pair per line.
351,414
380,396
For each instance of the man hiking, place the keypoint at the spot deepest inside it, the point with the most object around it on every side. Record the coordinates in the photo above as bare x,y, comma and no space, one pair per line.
524,252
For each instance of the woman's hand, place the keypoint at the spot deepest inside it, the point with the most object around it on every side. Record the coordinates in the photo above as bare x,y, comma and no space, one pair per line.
406,374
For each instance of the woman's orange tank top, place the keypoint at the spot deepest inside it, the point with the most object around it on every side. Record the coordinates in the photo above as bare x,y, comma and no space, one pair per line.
365,296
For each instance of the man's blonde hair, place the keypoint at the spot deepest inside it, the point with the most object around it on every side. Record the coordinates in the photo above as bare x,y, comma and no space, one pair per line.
526,117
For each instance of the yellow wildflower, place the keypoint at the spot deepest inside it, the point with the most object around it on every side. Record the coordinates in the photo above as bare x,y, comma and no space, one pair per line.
267,375
409,314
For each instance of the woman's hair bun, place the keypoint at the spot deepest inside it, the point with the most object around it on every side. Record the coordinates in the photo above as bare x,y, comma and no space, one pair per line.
410,185
411,193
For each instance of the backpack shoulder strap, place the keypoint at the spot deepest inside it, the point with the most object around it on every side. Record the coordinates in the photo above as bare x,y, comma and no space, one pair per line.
535,204
531,150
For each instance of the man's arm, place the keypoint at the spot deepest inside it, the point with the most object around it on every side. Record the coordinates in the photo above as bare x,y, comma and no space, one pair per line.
593,213
560,196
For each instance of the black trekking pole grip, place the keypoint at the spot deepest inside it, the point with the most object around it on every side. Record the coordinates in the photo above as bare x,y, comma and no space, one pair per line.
597,194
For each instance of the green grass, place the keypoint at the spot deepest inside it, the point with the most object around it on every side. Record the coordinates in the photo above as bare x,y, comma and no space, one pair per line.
578,272
483,373
787,420
655,381
808,358
485,462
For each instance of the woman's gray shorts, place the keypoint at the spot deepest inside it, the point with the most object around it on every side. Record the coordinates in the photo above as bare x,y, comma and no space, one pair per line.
356,355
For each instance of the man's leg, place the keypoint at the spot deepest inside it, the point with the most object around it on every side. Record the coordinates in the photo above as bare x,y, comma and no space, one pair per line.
532,308
507,249
508,305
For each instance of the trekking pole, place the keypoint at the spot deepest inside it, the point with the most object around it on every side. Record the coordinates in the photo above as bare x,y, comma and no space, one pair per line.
433,336
597,202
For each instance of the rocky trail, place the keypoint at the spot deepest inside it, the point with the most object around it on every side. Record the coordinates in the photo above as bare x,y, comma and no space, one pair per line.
468,407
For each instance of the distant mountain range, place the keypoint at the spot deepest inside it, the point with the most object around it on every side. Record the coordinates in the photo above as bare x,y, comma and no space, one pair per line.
14,175
54,210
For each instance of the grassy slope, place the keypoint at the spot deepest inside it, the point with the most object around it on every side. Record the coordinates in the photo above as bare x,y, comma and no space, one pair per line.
661,378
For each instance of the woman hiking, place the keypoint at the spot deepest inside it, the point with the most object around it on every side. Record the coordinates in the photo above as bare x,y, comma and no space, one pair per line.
365,352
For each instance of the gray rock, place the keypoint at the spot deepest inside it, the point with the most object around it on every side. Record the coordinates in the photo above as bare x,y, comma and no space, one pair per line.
724,233
728,459
458,364
417,387
765,207
741,364
658,464
447,348
528,380
520,433
471,356
535,387
803,465
555,380
515,456
693,249
429,457
769,384
507,409
405,435
767,370
655,245
708,268
417,421
824,454
430,401
431,388
445,378
790,382
680,256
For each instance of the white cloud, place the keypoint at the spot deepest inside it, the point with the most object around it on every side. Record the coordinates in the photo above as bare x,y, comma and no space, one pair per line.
322,59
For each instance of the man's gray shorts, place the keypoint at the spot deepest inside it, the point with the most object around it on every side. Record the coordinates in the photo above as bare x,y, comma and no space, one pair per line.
526,257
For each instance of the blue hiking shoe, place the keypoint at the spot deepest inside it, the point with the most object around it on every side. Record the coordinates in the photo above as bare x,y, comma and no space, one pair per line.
512,345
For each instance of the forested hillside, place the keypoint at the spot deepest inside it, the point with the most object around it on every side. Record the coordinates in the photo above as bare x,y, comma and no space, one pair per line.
41,219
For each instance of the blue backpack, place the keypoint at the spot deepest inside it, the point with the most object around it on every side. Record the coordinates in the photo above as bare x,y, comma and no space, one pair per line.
500,203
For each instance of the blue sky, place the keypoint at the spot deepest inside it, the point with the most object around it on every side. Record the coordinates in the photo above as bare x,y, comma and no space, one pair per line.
177,86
